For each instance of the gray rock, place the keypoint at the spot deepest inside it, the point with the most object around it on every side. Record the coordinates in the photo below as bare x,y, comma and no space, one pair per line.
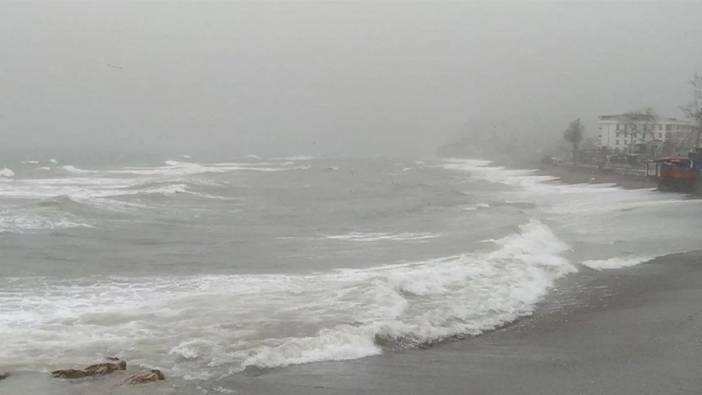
147,376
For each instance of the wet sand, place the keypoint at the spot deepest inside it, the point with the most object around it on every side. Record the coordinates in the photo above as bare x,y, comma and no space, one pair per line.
630,331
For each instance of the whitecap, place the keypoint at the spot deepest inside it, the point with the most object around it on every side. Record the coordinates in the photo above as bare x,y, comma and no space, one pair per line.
23,220
616,262
477,207
377,236
73,169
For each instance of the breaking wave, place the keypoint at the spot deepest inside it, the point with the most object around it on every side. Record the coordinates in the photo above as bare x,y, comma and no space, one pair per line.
217,325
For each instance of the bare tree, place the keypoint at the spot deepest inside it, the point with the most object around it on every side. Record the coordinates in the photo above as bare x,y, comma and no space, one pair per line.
574,135
694,110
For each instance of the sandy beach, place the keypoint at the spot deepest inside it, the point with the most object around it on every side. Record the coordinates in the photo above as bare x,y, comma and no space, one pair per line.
628,331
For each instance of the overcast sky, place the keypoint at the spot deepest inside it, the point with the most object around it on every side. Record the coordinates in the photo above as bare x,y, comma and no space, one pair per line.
330,78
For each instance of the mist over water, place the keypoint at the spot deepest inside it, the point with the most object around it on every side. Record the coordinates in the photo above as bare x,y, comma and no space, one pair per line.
207,269
222,189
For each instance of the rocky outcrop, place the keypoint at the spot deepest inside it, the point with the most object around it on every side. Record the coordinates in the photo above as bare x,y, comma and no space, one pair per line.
110,365
4,375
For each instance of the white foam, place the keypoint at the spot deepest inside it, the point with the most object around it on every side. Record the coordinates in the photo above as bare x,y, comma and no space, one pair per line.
594,214
223,390
458,295
209,326
616,262
174,168
76,170
30,162
192,349
371,237
482,169
5,172
342,343
23,220
477,207
169,189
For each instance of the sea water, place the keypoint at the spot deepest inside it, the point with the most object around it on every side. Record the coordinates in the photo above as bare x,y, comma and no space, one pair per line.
210,269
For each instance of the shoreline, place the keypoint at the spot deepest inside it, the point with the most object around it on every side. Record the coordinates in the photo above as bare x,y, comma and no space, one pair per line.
625,331
580,174
570,174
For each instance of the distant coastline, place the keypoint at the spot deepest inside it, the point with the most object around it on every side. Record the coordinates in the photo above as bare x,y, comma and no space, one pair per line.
568,173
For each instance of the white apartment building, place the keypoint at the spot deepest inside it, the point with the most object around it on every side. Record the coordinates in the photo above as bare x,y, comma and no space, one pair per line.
622,132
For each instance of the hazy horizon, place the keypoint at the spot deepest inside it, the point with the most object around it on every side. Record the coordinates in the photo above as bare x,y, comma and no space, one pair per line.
354,79
295,197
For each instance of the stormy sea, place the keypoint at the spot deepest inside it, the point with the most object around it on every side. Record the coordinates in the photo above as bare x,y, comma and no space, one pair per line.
216,270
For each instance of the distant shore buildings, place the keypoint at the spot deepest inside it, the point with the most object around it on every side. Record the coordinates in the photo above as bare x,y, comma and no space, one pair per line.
642,133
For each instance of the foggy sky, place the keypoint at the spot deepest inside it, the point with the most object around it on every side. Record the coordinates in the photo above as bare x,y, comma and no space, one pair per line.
326,78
